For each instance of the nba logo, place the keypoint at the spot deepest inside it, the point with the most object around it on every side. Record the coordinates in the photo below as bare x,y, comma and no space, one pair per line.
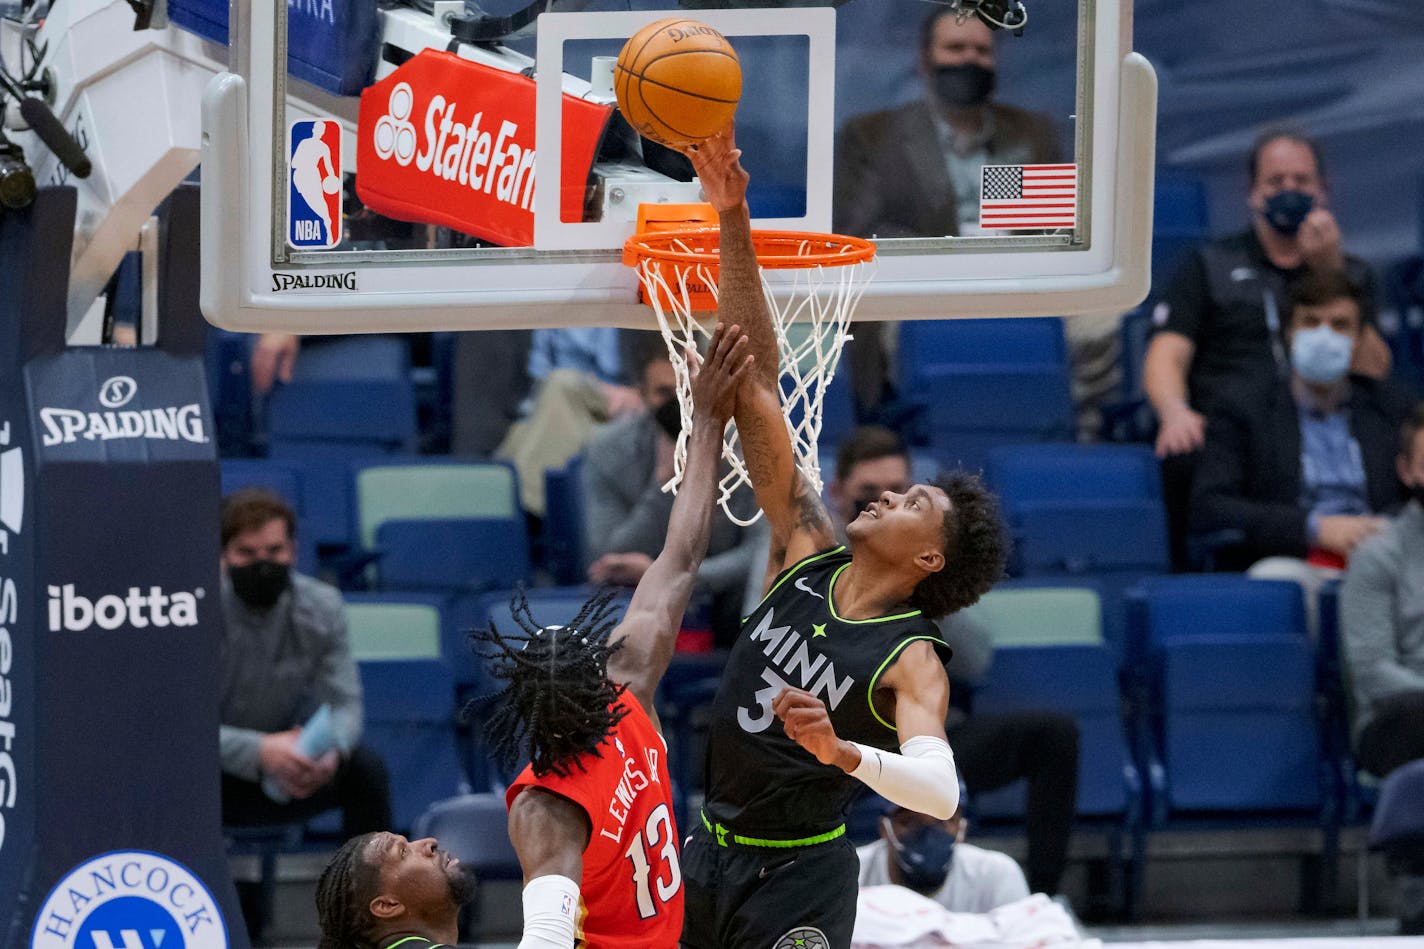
314,175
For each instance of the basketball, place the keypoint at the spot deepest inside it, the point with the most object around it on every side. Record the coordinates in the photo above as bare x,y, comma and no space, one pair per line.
331,184
678,81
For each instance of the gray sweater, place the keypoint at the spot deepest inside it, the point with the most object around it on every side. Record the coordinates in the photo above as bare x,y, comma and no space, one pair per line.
279,667
1382,615
626,511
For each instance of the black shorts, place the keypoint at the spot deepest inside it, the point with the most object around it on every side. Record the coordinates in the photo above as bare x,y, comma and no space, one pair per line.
740,897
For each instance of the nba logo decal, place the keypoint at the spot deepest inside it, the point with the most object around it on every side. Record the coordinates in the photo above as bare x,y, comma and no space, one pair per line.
314,175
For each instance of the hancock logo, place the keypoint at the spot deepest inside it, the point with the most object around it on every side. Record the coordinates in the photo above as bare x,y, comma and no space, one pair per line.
117,391
74,612
171,423
457,150
129,899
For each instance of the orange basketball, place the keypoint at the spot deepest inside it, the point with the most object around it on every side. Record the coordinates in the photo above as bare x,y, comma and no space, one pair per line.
678,81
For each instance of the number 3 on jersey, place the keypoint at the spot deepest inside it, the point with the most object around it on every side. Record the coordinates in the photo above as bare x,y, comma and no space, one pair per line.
659,829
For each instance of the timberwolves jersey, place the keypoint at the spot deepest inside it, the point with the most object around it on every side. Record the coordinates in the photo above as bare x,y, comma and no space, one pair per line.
760,783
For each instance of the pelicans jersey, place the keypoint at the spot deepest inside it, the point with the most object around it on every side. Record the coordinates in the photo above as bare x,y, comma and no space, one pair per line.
631,890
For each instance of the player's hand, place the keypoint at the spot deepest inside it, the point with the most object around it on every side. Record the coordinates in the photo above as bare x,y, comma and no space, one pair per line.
273,358
1319,238
1342,533
723,179
294,772
805,720
715,379
1180,431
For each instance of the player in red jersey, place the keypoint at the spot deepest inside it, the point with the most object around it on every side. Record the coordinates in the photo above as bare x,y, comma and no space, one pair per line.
591,816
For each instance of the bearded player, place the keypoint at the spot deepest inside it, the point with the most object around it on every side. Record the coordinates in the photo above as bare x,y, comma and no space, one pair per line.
591,816
837,679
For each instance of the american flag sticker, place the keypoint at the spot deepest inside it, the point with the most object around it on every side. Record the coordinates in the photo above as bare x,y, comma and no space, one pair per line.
1028,197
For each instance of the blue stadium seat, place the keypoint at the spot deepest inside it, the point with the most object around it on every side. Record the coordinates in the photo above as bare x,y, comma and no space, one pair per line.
985,383
410,722
351,396
1083,511
563,538
1230,683
455,555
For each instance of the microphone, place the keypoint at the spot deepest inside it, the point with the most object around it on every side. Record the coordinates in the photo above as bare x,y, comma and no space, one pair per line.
43,123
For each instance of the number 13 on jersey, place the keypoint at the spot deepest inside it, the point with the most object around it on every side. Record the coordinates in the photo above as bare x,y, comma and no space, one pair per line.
658,837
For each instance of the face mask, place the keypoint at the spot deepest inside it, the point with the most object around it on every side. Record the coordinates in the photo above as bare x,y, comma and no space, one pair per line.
1321,355
1416,493
1286,210
669,418
923,856
963,85
260,583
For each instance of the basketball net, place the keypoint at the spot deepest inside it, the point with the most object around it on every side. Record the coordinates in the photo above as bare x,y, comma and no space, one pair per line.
811,310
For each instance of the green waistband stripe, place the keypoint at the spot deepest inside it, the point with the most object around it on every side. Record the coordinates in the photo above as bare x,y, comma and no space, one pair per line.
722,835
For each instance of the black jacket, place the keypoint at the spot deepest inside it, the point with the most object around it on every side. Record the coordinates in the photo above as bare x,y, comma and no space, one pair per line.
1249,477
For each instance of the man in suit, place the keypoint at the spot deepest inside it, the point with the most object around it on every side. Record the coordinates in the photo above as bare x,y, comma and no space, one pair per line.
1306,471
913,171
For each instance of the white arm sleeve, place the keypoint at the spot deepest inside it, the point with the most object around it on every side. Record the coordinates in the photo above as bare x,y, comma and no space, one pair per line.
550,907
922,778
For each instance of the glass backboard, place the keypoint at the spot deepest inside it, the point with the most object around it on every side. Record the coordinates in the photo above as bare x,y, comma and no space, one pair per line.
376,169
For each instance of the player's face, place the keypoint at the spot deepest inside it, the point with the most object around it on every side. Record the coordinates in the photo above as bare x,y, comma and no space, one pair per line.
424,878
903,524
1286,165
271,542
954,44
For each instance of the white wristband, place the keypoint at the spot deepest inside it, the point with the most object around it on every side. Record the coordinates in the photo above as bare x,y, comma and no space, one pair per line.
922,778
550,913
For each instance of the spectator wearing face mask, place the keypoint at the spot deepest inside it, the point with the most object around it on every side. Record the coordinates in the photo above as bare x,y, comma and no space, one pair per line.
626,511
1305,470
930,856
1219,330
284,655
913,170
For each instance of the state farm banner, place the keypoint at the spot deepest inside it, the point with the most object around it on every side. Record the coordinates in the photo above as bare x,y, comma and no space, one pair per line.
443,140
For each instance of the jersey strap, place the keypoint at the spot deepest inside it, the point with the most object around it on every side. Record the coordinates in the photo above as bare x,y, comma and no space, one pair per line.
894,654
724,836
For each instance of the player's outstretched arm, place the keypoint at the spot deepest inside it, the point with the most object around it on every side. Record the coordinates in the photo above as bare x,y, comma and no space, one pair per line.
649,628
549,833
799,523
922,776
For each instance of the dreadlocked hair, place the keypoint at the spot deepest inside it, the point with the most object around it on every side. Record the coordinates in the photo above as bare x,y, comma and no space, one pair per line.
343,897
557,703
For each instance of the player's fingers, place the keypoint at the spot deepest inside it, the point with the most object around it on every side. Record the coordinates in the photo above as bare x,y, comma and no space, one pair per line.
792,698
735,355
721,343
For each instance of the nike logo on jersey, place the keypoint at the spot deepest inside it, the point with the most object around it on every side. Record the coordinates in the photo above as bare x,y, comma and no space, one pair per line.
804,585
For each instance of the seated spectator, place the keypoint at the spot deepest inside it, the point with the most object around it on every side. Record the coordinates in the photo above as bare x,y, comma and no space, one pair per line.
1382,625
284,655
626,511
913,170
1218,339
992,751
930,857
579,381
1304,470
